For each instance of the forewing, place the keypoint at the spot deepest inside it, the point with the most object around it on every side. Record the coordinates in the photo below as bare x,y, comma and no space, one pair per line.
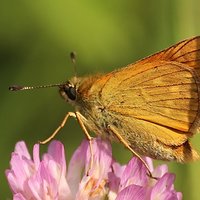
161,89
159,95
186,52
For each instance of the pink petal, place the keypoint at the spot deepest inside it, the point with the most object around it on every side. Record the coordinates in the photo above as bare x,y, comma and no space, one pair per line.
134,173
157,173
35,187
21,170
21,150
42,185
12,181
179,195
133,192
149,162
76,167
115,176
102,157
92,180
55,164
163,189
56,174
64,189
36,155
118,169
56,150
166,182
18,196
160,170
80,162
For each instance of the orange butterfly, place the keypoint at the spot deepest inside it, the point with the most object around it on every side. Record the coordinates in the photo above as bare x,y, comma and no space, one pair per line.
151,106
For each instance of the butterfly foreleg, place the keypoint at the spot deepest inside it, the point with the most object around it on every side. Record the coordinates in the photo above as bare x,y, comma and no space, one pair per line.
69,114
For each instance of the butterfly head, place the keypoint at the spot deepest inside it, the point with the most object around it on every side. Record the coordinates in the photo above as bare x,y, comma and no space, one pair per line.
68,91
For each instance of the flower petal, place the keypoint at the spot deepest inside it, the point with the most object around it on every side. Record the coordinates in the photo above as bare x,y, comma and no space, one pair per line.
36,155
164,188
21,150
134,173
56,150
93,184
115,177
133,192
160,171
18,196
76,167
102,158
21,170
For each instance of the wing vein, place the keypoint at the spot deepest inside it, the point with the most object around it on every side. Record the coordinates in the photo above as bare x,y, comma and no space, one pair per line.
161,100
183,45
188,52
170,73
158,113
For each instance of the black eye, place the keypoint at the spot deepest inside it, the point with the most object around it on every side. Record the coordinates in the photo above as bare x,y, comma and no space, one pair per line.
71,92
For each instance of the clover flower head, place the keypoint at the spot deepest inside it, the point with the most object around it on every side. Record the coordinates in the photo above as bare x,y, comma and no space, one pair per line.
49,178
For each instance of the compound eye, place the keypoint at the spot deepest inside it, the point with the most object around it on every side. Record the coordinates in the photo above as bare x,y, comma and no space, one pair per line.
71,93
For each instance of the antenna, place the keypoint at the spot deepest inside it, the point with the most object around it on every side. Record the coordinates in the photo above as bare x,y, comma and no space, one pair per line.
18,87
73,59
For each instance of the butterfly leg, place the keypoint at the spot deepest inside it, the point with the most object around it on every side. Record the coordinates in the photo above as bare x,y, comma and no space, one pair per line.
121,139
80,121
69,114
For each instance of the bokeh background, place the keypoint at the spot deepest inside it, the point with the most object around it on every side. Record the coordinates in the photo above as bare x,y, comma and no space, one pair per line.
36,38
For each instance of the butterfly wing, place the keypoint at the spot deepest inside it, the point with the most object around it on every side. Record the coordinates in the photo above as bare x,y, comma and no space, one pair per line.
186,52
161,92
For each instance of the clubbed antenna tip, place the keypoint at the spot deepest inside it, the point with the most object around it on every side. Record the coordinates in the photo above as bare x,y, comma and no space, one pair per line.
15,88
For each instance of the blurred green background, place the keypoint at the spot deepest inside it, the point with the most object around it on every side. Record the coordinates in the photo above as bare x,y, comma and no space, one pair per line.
36,38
